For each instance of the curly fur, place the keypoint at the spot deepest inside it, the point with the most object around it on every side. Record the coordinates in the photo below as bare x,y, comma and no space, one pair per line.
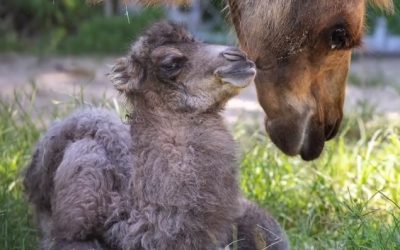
166,181
79,169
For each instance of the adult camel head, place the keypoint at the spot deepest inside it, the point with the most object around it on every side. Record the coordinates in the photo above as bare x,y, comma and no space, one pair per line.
302,49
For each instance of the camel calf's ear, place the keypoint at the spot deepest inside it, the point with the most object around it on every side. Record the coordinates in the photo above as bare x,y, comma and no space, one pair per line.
127,75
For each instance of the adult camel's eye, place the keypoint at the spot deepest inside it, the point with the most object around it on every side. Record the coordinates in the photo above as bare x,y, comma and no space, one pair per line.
339,38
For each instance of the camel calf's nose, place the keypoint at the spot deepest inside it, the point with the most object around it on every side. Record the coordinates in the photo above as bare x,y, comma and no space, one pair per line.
234,54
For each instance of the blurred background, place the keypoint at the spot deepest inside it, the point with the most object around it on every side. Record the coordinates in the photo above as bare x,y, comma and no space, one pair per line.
54,57
63,45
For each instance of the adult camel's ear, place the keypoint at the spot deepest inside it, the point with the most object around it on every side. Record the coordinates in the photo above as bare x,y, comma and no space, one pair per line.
127,75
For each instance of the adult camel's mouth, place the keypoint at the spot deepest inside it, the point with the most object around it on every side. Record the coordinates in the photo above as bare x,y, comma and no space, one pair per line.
301,135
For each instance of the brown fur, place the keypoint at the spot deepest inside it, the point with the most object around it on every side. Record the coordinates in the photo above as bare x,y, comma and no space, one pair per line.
301,71
387,5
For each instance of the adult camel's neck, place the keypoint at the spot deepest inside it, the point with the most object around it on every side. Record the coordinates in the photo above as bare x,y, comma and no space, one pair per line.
235,13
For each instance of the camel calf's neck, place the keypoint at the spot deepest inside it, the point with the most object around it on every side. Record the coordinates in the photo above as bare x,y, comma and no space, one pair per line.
185,176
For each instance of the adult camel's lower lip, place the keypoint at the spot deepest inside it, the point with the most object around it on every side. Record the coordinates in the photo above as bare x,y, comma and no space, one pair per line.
294,138
312,150
331,130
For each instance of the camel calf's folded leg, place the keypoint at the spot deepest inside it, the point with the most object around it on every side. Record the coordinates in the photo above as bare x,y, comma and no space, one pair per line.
78,171
257,230
85,189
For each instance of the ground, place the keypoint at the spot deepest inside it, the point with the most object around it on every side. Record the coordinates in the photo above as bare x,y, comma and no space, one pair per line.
375,82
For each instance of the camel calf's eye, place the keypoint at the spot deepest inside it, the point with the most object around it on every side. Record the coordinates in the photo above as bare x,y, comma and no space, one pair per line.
170,67
172,63
339,38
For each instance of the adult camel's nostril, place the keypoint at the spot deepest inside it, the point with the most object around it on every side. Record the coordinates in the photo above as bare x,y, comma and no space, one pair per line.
234,54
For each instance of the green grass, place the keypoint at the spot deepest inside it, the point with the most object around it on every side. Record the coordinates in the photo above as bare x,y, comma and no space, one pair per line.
18,134
348,199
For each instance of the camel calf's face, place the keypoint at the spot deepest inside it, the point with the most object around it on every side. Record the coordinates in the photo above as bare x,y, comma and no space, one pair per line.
173,71
199,76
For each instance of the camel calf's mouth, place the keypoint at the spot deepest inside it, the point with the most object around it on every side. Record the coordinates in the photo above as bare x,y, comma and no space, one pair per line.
240,72
239,76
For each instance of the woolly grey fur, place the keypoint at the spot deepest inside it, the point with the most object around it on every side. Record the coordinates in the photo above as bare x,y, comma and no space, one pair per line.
166,181
80,167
